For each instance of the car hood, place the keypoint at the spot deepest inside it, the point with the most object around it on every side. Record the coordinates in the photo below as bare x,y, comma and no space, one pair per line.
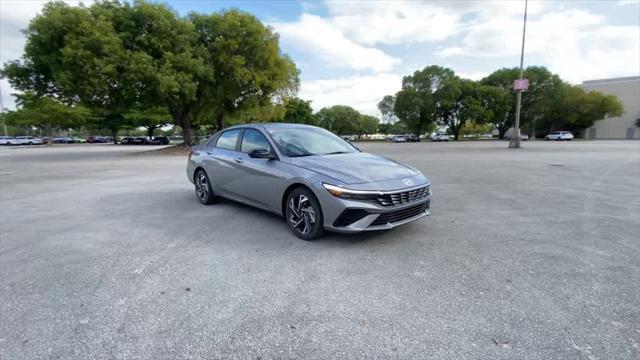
355,168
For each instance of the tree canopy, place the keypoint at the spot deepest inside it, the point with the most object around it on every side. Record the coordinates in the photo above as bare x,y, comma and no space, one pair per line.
345,120
435,95
46,113
115,57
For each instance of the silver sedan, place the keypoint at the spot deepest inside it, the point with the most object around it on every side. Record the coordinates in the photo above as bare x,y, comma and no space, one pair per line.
313,178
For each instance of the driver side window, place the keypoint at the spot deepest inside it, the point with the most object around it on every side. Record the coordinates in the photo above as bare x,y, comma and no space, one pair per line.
253,139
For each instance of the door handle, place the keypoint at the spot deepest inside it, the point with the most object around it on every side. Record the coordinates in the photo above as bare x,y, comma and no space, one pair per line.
238,160
210,152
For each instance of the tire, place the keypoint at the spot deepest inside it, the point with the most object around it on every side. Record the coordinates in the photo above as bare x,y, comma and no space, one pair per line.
203,189
303,214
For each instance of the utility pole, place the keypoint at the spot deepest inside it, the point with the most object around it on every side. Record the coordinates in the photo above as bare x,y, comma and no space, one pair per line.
514,142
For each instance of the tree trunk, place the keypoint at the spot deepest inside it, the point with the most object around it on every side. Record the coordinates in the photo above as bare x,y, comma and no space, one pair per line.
456,131
181,118
186,135
150,130
114,134
49,134
220,121
501,131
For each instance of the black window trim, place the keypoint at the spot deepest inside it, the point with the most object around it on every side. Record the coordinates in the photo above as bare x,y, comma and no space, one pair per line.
266,136
259,132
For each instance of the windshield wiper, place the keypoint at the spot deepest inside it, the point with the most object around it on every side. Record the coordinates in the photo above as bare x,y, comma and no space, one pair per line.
300,155
337,152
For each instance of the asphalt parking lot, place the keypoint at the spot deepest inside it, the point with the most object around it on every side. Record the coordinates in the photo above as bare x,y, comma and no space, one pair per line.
528,254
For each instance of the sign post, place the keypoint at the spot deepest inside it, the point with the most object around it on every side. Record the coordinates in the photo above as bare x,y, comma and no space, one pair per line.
519,86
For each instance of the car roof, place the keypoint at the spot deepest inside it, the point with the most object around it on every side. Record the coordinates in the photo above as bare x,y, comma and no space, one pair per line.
270,126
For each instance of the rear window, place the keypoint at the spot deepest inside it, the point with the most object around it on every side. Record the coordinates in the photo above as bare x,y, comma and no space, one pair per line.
228,139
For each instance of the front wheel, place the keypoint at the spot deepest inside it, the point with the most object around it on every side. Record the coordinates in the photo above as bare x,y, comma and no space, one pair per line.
304,215
204,192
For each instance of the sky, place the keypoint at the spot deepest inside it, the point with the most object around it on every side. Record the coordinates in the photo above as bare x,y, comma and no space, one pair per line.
355,52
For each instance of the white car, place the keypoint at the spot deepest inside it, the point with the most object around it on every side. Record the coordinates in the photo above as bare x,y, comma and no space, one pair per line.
6,140
28,140
398,139
559,135
440,137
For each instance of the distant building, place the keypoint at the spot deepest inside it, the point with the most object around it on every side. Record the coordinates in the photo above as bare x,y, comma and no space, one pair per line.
627,89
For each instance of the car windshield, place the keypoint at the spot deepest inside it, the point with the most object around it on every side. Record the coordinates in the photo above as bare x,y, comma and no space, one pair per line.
308,141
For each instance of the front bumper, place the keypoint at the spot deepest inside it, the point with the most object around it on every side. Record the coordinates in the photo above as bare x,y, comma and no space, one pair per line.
349,216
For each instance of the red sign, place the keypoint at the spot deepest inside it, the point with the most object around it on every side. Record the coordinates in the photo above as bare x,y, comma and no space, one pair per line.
521,84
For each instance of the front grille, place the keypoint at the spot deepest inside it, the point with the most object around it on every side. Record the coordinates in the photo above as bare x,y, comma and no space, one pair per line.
404,197
399,215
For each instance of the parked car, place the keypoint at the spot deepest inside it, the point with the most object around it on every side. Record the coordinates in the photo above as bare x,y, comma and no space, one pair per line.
349,137
28,140
96,139
127,140
559,135
62,140
6,140
162,140
412,138
398,139
440,137
523,137
78,140
151,141
313,178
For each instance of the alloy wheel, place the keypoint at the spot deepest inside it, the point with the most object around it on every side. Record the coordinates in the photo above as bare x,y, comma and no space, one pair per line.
302,216
202,186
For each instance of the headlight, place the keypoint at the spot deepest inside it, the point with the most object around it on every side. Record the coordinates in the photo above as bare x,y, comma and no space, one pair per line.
351,194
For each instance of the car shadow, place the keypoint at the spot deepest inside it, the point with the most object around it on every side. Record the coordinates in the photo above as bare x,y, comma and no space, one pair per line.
329,237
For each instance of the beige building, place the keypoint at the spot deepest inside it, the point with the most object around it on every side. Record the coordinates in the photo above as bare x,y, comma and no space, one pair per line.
627,89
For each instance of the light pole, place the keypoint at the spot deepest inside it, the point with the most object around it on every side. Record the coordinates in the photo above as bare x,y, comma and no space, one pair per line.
514,142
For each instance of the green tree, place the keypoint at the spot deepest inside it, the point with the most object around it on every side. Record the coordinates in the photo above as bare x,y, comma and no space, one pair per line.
299,111
149,118
340,119
367,124
416,104
543,85
77,58
46,113
394,128
248,68
112,57
460,101
575,109
472,128
386,107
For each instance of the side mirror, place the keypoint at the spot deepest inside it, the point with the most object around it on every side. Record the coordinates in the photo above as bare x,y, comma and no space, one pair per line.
261,154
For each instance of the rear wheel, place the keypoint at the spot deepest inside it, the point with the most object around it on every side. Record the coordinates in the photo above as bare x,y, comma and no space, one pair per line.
304,215
204,192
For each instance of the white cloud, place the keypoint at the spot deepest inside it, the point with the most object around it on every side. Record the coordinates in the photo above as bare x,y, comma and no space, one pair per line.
394,22
320,38
476,75
574,43
362,92
14,17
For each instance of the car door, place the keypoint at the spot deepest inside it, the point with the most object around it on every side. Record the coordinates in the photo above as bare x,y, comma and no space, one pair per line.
220,161
260,180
